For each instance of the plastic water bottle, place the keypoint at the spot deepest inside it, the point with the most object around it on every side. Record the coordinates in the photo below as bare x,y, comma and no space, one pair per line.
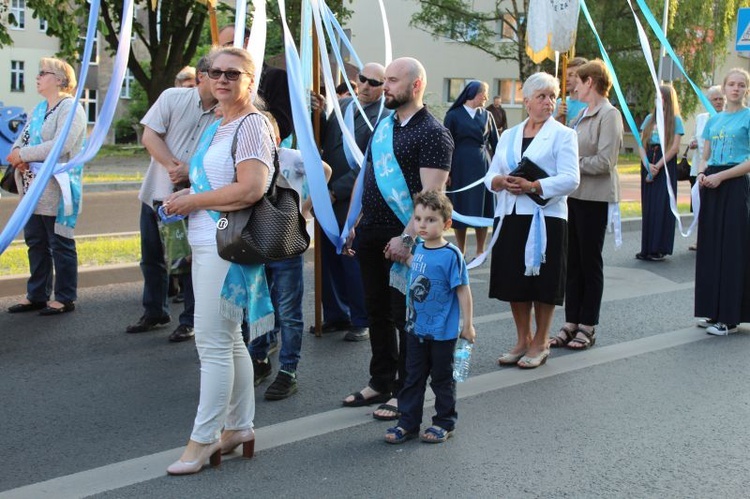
461,360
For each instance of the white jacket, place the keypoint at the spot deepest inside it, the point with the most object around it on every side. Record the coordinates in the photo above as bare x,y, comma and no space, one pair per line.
555,150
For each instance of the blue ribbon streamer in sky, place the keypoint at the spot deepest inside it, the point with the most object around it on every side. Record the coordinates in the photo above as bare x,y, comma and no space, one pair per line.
303,129
663,40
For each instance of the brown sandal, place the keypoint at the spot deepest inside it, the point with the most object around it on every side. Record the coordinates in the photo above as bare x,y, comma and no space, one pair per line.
564,337
588,340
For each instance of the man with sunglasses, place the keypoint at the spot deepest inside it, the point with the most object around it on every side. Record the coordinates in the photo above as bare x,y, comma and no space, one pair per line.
172,129
343,295
273,88
410,152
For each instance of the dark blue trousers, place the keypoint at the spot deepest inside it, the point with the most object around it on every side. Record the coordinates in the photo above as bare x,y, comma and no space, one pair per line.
45,250
425,358
343,293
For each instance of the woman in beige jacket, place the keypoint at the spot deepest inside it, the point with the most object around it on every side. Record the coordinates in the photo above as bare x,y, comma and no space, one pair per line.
599,128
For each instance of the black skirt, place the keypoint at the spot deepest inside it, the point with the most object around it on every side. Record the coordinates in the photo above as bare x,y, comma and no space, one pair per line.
722,273
658,222
507,279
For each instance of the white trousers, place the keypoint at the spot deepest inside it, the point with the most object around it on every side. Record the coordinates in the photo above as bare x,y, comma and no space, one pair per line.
227,394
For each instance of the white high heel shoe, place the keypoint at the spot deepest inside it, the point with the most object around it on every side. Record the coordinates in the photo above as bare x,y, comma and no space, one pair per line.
210,452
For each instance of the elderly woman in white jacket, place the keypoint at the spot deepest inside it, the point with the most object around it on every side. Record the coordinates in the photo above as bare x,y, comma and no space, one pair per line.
529,254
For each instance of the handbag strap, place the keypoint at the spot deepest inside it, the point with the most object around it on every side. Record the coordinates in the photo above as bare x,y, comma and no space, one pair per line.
687,148
275,152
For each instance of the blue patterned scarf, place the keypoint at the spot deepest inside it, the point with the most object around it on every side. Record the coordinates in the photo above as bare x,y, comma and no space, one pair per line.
70,181
245,288
393,187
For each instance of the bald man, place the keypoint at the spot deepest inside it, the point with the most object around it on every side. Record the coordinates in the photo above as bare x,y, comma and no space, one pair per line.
422,148
343,295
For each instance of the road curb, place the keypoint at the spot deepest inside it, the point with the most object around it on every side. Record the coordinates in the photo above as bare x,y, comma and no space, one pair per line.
87,277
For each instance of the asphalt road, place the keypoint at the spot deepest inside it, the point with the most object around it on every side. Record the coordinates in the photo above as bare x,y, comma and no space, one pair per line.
656,409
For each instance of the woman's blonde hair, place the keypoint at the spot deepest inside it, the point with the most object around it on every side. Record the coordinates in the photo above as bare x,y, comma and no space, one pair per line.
62,70
247,60
671,112
737,71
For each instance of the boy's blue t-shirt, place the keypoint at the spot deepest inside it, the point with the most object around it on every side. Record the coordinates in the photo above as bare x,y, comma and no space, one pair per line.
679,128
729,136
432,302
575,106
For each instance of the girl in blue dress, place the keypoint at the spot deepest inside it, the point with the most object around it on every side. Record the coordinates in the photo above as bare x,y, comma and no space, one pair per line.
657,230
722,273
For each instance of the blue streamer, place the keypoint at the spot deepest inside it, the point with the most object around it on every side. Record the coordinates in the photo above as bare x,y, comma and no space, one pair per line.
615,82
29,201
329,17
663,39
303,129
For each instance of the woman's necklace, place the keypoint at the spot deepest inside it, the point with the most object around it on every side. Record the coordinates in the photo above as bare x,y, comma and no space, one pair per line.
228,118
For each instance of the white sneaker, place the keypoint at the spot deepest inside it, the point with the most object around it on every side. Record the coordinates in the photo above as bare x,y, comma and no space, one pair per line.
721,329
704,323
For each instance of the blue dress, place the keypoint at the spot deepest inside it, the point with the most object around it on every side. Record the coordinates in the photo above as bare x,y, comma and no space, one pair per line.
658,222
475,141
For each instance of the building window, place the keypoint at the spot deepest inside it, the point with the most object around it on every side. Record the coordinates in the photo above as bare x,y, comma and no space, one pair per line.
453,87
127,84
43,25
17,76
90,104
507,28
510,91
94,49
18,11
461,31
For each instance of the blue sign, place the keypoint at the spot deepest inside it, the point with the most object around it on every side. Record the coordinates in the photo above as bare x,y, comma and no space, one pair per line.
743,30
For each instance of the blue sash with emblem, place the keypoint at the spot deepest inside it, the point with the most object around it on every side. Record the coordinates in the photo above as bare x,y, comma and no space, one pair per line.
392,186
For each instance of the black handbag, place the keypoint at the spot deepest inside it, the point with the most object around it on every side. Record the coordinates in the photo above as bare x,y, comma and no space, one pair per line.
272,229
8,182
530,171
683,167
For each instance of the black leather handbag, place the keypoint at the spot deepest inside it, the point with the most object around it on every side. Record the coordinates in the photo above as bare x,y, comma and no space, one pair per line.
530,171
8,182
272,229
683,167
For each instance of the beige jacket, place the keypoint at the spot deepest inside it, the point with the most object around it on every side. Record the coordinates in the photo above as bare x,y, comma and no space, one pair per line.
599,142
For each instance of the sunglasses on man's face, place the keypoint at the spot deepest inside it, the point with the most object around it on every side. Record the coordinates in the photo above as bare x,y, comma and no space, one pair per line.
373,83
231,74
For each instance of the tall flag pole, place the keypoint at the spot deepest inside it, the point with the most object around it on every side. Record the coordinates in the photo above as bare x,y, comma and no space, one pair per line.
316,133
211,5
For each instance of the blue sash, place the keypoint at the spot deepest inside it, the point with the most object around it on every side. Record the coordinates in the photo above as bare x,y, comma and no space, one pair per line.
392,186
245,289
69,181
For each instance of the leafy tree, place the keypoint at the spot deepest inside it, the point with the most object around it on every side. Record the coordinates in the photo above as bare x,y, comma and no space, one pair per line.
174,43
462,21
699,31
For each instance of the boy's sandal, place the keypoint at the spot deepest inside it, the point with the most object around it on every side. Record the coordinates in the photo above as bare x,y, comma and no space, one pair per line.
436,435
564,337
398,435
588,340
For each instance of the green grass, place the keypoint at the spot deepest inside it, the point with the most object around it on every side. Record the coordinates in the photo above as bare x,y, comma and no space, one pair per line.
632,209
121,151
91,252
108,178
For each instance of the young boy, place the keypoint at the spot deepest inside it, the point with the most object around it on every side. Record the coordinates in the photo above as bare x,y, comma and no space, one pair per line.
438,289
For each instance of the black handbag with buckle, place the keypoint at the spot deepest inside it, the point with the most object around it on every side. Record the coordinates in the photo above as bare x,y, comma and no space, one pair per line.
272,229
8,182
530,171
683,166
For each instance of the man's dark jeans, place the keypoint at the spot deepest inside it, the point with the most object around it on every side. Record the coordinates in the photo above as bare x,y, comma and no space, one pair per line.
386,311
155,275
